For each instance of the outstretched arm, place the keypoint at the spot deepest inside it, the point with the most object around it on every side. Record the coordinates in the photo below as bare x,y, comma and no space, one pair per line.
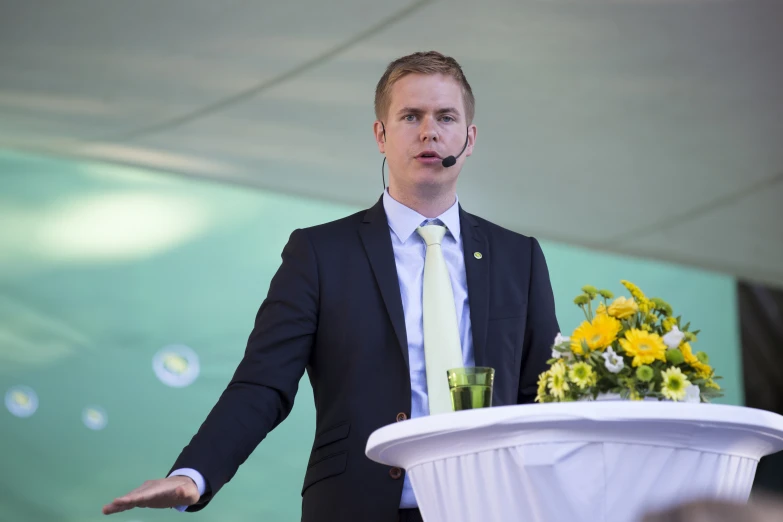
261,393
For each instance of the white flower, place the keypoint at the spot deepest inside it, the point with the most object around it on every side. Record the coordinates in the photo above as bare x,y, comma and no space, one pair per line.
692,394
559,339
613,362
673,338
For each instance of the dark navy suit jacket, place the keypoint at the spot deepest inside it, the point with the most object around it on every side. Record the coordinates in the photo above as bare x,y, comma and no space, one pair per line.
334,310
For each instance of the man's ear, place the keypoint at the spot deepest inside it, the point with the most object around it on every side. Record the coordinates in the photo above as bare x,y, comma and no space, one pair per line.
472,133
380,135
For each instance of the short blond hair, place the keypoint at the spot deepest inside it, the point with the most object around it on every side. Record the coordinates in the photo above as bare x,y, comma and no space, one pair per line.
763,508
431,62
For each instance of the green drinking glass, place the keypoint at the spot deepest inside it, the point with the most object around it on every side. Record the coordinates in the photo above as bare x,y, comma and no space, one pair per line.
471,387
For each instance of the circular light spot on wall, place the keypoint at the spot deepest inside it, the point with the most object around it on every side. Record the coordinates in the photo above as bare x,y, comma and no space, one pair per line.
176,365
95,417
21,401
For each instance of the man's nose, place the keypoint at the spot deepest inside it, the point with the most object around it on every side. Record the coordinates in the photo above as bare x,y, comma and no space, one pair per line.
429,131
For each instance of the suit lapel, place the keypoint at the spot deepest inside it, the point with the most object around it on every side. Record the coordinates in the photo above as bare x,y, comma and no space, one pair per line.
375,235
477,272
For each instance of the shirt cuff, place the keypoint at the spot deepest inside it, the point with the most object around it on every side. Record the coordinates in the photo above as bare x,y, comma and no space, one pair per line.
197,477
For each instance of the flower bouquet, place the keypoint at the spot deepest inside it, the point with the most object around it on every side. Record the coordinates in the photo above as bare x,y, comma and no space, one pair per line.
633,348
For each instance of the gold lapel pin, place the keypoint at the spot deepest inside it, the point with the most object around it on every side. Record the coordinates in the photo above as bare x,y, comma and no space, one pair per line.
477,255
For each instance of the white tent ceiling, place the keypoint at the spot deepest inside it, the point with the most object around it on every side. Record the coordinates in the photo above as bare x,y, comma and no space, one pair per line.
644,127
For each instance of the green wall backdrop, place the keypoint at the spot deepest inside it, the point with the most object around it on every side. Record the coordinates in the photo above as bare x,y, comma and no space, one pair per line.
103,266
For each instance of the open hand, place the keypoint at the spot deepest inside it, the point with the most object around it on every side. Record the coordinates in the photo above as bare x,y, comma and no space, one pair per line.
162,493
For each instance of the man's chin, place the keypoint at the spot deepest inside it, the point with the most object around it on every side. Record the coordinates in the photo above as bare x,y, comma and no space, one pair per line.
435,182
430,179
433,173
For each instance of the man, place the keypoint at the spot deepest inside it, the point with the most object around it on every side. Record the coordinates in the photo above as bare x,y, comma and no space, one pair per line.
353,305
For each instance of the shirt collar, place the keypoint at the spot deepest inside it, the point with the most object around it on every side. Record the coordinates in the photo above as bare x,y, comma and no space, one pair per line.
404,220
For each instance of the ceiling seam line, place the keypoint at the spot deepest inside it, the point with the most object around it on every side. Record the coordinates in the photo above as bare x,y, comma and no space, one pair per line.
256,89
671,221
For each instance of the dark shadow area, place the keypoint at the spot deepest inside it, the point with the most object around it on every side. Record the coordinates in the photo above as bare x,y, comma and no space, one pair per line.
761,329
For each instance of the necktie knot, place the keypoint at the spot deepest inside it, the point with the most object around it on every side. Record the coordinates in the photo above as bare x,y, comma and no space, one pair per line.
432,234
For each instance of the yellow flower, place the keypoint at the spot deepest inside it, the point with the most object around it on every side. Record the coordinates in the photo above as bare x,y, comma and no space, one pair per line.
669,323
704,370
542,381
598,335
635,291
601,310
674,384
557,380
644,347
581,374
558,367
687,352
623,307
645,306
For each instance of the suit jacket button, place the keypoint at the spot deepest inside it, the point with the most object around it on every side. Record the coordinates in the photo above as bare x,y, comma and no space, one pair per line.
401,417
395,473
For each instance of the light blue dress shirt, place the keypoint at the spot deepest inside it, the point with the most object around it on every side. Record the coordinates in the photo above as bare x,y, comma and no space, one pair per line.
409,252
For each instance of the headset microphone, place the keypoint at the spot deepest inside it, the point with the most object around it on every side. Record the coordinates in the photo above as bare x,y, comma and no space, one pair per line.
450,161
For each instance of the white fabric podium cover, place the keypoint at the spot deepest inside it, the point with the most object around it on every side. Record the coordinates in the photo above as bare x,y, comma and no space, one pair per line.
577,462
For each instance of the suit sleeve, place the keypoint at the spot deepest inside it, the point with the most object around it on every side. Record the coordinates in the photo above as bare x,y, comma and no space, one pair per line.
541,326
261,393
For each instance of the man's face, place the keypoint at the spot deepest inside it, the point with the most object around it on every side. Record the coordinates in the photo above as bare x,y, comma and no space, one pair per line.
425,123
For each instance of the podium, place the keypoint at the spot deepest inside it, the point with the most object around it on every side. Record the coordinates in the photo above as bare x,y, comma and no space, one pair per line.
588,461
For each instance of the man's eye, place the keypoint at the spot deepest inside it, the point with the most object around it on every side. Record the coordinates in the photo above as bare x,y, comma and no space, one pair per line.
410,117
447,119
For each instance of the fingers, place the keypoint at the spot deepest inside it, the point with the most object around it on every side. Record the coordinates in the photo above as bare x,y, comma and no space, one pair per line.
117,506
151,494
139,497
124,503
165,493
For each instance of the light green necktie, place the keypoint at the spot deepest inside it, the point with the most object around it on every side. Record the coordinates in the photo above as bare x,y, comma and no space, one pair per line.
442,349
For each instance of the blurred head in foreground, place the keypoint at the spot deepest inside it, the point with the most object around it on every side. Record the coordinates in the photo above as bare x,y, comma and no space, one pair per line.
765,508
